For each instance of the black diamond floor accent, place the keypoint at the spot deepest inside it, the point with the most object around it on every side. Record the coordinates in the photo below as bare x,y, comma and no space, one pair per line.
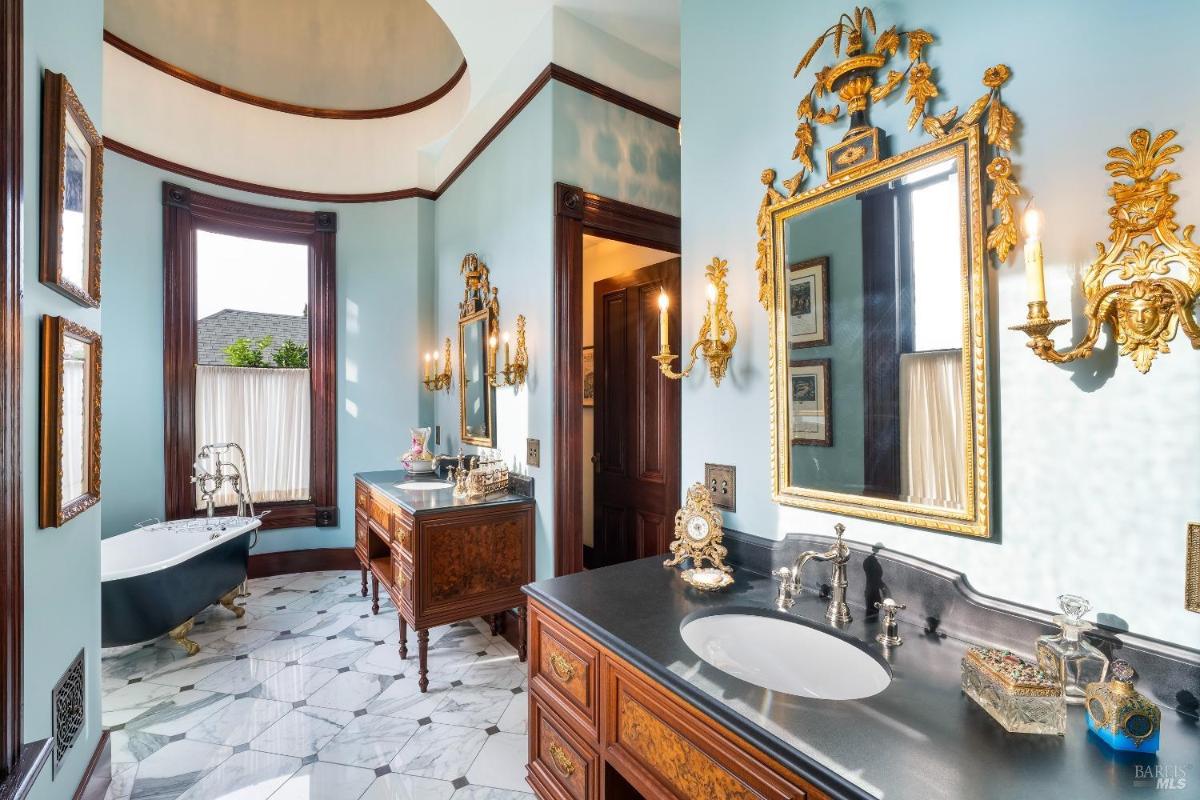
456,684
343,669
330,638
177,737
381,771
311,758
187,688
291,663
283,633
241,657
322,611
518,690
458,783
424,721
300,704
115,728
242,627
280,608
360,712
492,731
240,696
378,643
398,676
135,680
241,748
364,616
313,591
481,653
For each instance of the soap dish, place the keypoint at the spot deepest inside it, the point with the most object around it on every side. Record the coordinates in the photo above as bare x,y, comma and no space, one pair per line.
1017,693
708,579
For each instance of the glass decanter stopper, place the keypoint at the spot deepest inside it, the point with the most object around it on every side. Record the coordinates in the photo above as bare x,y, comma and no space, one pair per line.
1067,655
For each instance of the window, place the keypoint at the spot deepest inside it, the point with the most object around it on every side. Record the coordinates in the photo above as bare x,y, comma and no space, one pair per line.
249,352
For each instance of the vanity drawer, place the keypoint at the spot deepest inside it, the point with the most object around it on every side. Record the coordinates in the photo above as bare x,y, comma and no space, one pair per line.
362,497
566,668
402,535
665,747
380,514
560,764
360,534
402,583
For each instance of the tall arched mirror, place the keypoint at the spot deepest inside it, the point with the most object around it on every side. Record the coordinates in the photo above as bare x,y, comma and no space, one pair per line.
478,324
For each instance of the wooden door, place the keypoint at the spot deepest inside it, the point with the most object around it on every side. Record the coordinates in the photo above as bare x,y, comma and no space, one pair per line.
636,458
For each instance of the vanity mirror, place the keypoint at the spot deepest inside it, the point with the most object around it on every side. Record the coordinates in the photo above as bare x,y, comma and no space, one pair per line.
70,446
875,283
478,323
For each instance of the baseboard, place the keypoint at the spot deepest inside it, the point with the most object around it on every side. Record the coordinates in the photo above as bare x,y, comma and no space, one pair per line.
98,775
264,565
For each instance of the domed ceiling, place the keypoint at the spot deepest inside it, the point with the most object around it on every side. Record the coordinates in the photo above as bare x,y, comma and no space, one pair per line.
343,55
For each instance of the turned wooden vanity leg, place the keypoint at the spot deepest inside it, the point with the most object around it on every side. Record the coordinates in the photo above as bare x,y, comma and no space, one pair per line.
494,619
423,659
364,580
403,636
522,633
374,594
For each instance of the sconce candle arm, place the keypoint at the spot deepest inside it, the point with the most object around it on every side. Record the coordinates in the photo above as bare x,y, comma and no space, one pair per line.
718,334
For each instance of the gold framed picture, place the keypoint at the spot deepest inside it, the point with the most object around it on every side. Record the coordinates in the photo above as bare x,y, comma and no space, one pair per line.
70,451
72,193
1191,592
589,376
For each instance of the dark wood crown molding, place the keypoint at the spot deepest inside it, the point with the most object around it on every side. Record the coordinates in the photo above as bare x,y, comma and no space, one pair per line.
133,51
551,72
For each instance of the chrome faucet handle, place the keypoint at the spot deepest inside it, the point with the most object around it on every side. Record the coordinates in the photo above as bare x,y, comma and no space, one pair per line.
890,635
786,586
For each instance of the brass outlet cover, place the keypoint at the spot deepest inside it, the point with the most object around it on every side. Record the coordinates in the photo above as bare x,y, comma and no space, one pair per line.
1191,592
721,482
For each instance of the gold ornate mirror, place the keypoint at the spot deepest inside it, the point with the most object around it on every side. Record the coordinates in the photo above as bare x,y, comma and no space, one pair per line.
70,447
478,322
876,287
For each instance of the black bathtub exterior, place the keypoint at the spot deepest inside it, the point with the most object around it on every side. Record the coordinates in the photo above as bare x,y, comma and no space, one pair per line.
145,607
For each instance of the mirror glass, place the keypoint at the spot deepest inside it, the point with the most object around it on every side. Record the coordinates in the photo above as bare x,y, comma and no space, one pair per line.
76,374
874,347
475,393
77,172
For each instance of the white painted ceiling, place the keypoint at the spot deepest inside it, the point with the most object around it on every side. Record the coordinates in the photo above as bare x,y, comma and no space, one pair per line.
348,54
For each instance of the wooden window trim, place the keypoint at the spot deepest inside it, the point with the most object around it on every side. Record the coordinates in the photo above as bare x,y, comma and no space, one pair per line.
184,213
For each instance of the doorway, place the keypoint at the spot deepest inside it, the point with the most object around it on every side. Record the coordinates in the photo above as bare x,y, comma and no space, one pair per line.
616,462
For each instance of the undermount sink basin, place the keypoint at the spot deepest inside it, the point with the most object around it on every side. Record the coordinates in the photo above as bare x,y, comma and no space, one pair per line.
786,655
424,486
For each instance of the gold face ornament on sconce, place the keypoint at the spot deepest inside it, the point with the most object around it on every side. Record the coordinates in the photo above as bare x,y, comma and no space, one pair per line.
718,334
438,379
1151,304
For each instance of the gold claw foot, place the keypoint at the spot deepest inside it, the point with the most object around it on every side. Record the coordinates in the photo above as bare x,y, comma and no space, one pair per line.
179,635
227,601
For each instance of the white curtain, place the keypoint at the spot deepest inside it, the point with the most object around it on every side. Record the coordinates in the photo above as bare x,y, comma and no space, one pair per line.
74,440
266,411
931,428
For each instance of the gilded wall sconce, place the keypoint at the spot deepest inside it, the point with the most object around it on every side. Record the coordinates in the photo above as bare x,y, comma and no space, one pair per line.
1144,283
718,334
437,377
514,371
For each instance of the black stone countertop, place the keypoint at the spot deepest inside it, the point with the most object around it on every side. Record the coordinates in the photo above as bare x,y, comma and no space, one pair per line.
919,738
423,502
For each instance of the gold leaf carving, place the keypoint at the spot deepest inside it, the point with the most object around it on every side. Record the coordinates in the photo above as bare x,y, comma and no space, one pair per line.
887,87
804,110
828,117
804,141
888,42
934,127
808,55
1000,124
973,113
948,117
793,183
916,43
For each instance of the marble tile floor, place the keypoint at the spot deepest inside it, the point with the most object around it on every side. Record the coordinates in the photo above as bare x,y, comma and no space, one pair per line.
306,698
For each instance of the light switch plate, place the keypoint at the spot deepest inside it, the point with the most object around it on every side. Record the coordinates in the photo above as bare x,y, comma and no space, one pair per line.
721,480
533,452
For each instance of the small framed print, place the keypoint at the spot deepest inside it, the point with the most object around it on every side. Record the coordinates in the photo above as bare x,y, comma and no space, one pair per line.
808,303
811,407
589,377
72,177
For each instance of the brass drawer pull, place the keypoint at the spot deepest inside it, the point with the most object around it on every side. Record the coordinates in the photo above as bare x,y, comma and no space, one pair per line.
561,760
563,669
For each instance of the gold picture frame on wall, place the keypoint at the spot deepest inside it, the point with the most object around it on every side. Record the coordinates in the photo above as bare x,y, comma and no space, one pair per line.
1191,594
72,194
70,424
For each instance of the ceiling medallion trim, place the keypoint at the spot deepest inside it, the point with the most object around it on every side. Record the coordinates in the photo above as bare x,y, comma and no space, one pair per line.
133,51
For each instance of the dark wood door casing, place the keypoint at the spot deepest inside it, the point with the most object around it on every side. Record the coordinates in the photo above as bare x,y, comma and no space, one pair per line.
577,212
184,212
637,416
11,511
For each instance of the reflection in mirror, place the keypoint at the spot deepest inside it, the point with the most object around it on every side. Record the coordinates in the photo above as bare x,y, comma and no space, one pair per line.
70,440
875,278
77,172
476,395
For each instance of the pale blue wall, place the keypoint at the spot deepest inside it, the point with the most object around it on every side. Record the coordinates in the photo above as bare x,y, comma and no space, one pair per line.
1096,472
62,565
382,273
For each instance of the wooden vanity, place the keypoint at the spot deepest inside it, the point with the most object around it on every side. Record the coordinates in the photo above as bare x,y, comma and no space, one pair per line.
441,559
599,728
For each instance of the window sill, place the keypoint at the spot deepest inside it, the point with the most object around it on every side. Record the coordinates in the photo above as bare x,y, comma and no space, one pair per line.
290,514
19,783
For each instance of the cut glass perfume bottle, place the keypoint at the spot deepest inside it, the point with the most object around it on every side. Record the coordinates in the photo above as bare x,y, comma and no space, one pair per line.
1067,656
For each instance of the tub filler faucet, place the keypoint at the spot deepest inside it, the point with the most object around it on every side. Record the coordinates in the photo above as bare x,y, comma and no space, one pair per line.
214,470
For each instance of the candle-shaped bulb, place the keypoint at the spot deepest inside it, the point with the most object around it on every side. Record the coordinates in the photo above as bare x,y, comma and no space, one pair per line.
664,341
663,301
427,360
712,292
1035,280
712,311
505,337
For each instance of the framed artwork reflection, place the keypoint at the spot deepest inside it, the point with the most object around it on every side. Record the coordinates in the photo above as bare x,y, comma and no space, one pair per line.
72,192
589,377
810,402
808,303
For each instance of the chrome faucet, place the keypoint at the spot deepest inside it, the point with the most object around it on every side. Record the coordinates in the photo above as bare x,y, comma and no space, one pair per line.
839,554
213,470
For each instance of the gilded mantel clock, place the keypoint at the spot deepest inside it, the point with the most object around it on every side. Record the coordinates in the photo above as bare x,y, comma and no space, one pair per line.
698,535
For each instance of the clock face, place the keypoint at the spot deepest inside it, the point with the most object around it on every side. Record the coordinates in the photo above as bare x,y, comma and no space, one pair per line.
697,528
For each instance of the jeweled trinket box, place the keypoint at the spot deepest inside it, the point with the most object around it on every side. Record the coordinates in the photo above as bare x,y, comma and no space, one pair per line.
1017,693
